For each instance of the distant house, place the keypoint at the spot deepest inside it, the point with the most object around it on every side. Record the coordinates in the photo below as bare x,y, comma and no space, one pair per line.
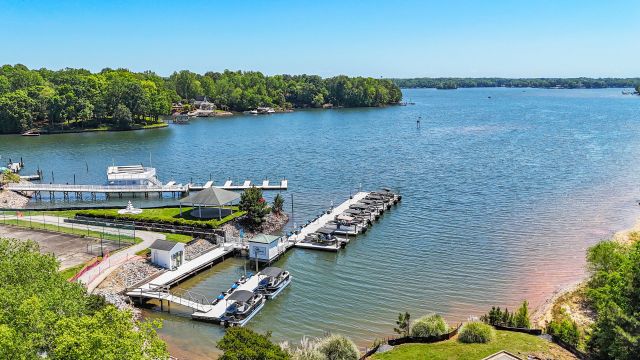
167,254
265,248
203,103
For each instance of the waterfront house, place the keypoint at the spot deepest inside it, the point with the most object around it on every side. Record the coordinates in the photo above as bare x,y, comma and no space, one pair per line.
167,254
266,248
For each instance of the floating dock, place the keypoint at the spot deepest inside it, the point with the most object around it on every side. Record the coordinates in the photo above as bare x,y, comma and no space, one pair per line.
317,224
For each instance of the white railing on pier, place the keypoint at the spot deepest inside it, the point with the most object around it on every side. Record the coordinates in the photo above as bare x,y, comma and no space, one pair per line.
94,188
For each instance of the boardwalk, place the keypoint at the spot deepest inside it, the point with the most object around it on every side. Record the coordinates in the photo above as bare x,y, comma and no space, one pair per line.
171,187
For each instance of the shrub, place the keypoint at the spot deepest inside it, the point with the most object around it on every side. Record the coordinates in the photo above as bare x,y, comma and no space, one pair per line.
430,325
243,343
306,350
403,324
476,332
338,347
566,330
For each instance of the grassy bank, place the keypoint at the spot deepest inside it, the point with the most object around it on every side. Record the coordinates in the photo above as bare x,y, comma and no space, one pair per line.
163,215
513,342
157,125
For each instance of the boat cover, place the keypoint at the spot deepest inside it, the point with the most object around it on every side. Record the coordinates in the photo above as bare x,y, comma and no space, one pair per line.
272,271
241,296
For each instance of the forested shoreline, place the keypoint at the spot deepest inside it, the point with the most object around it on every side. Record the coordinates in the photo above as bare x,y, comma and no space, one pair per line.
566,83
120,99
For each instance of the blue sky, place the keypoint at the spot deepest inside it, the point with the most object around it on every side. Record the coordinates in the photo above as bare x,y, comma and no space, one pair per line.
373,38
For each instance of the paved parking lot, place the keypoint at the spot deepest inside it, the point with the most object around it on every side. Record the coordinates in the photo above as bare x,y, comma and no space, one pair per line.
70,250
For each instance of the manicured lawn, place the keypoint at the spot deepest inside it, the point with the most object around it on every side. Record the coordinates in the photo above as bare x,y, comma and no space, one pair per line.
516,343
164,215
178,237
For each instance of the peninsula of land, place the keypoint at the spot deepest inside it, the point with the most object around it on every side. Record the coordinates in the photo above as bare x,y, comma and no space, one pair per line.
71,100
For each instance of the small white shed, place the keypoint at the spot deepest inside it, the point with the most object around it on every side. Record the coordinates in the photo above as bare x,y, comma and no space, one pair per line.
167,254
265,247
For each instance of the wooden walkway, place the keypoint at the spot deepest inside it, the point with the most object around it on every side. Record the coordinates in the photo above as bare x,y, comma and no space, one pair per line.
171,187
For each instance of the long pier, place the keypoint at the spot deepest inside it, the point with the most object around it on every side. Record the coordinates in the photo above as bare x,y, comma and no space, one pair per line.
317,224
171,187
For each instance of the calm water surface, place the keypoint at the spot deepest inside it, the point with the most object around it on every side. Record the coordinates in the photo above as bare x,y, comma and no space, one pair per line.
502,196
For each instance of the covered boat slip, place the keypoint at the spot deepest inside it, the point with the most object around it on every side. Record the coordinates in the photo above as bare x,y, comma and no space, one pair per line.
333,230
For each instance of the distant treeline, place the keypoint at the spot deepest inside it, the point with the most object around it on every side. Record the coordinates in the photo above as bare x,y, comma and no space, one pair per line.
568,83
77,98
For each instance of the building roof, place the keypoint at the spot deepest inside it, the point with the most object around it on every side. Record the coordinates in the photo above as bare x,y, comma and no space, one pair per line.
502,355
163,245
241,295
212,196
272,271
264,239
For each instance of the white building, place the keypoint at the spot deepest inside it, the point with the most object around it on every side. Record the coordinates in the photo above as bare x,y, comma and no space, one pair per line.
167,254
266,247
132,175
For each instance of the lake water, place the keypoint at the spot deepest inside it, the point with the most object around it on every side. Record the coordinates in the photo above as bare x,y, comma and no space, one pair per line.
503,190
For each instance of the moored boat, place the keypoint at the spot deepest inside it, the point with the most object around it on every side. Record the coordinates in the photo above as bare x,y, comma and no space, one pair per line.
30,133
243,305
274,281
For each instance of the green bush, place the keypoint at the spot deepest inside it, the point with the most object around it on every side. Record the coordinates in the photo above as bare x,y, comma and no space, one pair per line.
338,347
566,330
476,332
243,343
430,325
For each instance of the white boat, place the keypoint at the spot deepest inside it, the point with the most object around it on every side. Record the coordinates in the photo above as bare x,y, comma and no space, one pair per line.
132,175
274,281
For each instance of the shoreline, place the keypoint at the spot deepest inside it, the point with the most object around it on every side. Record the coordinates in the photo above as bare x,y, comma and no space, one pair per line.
544,312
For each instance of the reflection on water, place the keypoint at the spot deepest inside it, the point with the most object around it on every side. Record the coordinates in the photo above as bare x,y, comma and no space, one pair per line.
501,196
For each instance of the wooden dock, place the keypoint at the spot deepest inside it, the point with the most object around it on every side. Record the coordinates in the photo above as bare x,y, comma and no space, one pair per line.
171,188
317,224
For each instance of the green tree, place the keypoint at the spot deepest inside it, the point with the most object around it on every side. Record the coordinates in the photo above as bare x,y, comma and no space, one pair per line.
403,324
240,343
43,313
16,112
430,325
278,204
613,290
521,317
254,204
122,117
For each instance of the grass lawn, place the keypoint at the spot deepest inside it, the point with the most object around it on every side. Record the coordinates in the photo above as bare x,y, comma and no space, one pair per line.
72,271
164,215
178,237
518,344
72,231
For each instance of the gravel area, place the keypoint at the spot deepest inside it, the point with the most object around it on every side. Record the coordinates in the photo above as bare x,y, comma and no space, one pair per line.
12,200
197,248
273,225
127,275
